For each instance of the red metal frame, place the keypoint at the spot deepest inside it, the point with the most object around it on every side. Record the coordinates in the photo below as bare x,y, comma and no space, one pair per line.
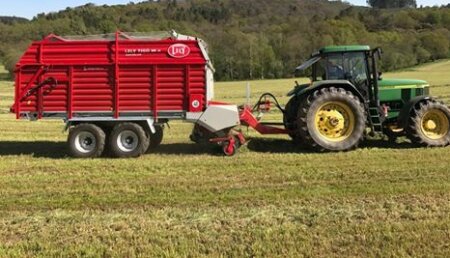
155,91
217,103
248,119
100,76
16,105
229,142
116,77
31,82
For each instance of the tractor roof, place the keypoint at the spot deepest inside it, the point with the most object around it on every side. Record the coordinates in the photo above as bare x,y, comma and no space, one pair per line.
350,48
331,49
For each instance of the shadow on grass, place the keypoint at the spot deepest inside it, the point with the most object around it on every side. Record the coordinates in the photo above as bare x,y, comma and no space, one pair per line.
288,146
274,146
187,148
383,144
58,150
41,149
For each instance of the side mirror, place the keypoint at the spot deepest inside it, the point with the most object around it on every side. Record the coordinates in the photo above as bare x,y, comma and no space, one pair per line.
379,53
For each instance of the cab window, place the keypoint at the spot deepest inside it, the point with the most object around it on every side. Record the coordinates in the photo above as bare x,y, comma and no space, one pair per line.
355,68
335,67
329,68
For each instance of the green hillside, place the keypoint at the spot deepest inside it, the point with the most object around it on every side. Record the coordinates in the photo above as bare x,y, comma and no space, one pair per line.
273,199
11,20
254,38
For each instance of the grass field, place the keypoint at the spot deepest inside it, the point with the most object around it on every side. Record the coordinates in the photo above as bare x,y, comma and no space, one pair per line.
272,199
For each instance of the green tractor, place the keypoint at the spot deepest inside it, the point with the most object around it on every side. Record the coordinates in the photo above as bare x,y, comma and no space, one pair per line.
347,95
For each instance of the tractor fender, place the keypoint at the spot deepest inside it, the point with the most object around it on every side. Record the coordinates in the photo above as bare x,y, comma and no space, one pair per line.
298,89
301,90
405,112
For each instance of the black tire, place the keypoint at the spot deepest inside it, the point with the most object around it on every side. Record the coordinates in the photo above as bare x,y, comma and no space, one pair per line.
290,116
200,135
107,130
419,129
86,141
343,102
157,137
128,140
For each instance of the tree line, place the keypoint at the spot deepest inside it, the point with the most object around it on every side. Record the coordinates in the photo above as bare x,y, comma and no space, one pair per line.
392,3
253,39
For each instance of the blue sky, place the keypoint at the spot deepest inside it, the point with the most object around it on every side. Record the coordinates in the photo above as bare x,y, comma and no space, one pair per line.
419,2
29,8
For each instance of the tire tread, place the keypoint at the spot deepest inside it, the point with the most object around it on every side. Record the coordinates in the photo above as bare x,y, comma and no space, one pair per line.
304,134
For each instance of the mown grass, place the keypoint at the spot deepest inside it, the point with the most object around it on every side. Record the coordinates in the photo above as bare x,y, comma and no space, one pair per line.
272,199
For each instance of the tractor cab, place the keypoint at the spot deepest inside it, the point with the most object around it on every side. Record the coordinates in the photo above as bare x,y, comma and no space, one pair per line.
357,67
354,65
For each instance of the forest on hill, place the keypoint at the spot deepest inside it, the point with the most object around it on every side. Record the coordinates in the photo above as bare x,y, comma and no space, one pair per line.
252,39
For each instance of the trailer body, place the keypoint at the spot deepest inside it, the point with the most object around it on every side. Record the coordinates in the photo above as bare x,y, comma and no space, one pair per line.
113,77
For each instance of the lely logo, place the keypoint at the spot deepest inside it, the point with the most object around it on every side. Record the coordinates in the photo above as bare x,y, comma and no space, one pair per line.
179,51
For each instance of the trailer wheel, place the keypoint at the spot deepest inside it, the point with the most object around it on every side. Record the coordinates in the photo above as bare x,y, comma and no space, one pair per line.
157,137
86,141
429,125
128,140
331,119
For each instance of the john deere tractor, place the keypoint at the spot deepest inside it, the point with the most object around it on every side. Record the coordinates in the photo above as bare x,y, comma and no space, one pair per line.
348,98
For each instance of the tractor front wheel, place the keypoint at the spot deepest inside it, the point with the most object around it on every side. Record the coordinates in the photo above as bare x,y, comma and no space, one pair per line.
429,125
331,119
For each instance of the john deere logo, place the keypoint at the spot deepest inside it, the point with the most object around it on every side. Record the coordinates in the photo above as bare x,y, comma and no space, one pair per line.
179,51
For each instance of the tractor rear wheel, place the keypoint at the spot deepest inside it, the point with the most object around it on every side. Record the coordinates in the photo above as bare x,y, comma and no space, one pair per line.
429,125
331,119
290,116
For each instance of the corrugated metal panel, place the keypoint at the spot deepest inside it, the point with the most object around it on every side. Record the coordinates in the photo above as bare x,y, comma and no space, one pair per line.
149,78
135,88
92,88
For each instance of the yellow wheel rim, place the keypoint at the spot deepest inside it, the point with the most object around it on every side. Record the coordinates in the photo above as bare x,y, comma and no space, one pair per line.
334,121
435,124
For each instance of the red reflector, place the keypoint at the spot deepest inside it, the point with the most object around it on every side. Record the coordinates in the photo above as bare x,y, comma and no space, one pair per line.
195,103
